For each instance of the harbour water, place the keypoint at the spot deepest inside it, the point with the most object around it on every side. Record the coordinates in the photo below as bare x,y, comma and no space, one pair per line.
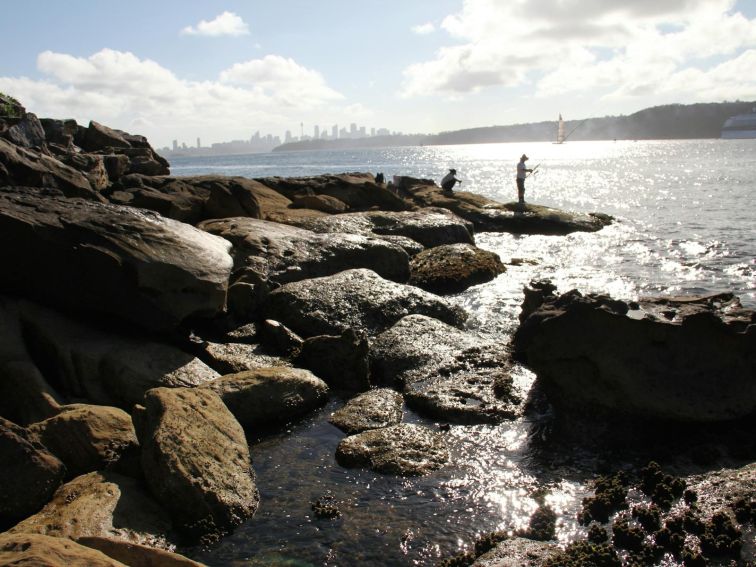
685,224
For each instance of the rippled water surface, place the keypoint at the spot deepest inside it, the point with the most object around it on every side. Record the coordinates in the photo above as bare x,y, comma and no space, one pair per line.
685,225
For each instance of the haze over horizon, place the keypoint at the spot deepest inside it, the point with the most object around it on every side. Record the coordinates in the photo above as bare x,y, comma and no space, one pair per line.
223,70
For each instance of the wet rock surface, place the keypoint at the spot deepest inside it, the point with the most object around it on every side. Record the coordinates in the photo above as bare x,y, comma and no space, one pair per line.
287,254
134,554
491,216
356,299
270,396
405,449
453,268
427,228
446,373
374,409
667,359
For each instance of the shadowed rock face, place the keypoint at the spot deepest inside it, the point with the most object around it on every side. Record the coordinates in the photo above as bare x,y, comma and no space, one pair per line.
374,409
357,299
682,359
405,449
29,474
287,253
102,504
152,271
196,460
453,268
444,372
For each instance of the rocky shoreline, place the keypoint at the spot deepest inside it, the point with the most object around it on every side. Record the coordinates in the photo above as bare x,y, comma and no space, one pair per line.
150,323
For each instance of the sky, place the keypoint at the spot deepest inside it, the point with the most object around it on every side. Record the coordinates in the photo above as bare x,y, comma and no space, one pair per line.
222,70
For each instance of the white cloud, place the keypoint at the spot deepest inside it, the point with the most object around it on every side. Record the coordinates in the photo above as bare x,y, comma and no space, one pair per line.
610,47
139,95
424,29
226,23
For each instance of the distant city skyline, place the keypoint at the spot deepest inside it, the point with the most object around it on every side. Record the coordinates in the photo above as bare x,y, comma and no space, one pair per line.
175,70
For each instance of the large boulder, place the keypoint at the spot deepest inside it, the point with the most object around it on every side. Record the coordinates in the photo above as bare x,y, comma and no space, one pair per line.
446,373
35,549
196,460
342,360
358,191
29,474
427,227
270,396
682,359
405,449
286,253
488,215
27,132
231,358
381,407
88,438
107,368
25,167
453,268
358,299
135,264
103,504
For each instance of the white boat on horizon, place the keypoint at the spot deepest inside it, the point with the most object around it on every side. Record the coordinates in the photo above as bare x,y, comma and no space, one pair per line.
740,126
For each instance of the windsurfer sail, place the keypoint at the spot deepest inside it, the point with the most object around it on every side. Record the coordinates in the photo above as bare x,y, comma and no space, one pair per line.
560,131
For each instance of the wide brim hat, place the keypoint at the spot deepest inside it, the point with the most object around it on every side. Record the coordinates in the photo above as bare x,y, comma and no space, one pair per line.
524,157
452,171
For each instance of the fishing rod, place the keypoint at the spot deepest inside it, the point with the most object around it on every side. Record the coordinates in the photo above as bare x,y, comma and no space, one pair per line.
575,128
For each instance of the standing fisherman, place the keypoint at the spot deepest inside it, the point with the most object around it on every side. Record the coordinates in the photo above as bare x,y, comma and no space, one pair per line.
522,172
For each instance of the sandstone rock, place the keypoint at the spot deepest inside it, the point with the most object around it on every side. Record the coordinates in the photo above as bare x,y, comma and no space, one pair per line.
91,165
59,132
99,137
324,203
405,449
270,396
231,358
681,359
102,504
359,191
135,555
27,132
280,338
29,474
357,299
373,409
88,438
24,167
453,268
286,253
198,198
105,367
10,108
196,461
116,166
34,549
491,216
152,271
342,360
446,373
427,227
